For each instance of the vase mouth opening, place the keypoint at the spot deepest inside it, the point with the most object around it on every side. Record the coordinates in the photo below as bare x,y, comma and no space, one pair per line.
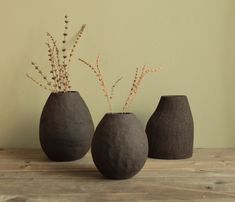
62,92
173,96
118,113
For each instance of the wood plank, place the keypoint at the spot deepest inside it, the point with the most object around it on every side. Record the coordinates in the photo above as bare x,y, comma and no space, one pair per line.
27,175
99,198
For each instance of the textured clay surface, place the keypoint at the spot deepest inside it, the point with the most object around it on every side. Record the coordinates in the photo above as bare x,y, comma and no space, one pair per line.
120,146
66,127
170,129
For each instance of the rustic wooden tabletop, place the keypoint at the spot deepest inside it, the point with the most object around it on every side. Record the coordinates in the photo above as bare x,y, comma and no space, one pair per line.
27,175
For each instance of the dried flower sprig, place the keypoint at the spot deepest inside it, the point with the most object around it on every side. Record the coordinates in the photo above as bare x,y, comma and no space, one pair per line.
59,62
53,71
37,68
79,34
113,87
38,83
139,76
96,70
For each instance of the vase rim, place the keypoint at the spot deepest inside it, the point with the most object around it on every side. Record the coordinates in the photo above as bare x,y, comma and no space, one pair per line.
61,92
118,113
168,96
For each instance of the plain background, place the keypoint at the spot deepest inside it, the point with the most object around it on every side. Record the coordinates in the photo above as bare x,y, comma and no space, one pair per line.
194,40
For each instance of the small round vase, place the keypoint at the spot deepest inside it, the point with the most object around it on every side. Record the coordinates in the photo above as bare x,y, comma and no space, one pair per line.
170,129
119,146
66,127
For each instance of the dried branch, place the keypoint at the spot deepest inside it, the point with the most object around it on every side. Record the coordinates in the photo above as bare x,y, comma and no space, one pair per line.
53,64
59,67
59,60
113,87
65,80
39,84
98,74
56,48
79,34
41,73
133,88
65,34
136,84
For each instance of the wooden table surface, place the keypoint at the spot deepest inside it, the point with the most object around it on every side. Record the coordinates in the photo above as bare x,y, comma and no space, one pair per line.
27,175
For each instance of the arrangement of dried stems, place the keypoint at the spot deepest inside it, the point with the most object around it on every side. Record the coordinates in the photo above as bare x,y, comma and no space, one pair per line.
59,60
107,93
139,76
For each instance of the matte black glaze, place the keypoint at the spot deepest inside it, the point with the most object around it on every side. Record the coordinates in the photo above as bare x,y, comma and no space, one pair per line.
170,129
119,146
66,127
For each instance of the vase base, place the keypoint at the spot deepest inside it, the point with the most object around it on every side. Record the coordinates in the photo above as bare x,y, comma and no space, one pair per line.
170,157
68,154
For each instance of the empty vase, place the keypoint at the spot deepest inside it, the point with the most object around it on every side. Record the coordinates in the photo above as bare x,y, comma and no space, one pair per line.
170,129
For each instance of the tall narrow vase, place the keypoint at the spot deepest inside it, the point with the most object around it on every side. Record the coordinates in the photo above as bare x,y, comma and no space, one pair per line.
120,146
66,127
170,129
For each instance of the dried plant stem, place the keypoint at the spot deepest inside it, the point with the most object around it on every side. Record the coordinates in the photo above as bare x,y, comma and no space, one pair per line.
113,87
98,74
56,48
39,84
59,61
65,34
53,64
132,91
41,73
136,83
65,77
79,34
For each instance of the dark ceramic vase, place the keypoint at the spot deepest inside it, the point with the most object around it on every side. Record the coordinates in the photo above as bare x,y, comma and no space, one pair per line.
170,129
66,127
119,146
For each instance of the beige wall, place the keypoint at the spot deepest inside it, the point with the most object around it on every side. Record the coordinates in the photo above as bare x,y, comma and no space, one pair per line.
193,39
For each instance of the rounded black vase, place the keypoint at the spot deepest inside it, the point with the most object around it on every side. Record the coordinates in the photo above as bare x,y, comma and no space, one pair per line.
170,129
119,146
66,127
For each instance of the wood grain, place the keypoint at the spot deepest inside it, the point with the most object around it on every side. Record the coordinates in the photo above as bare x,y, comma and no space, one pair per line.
27,175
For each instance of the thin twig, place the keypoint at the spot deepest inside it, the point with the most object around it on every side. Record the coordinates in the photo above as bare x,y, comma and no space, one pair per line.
136,84
79,34
53,70
58,65
132,90
99,75
41,73
113,87
39,84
